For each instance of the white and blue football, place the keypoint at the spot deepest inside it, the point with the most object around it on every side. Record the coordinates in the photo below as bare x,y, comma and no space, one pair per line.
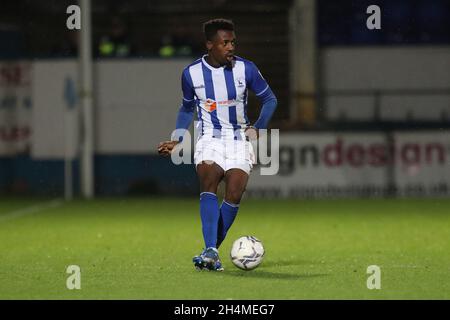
247,252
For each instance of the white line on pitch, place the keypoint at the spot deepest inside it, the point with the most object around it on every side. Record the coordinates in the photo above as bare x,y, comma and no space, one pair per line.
30,210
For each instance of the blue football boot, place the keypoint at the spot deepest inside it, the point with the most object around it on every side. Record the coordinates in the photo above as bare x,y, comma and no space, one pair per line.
198,261
211,258
208,259
217,266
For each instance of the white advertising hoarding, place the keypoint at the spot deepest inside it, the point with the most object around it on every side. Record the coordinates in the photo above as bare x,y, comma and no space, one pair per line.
56,109
15,107
358,164
423,163
135,106
321,163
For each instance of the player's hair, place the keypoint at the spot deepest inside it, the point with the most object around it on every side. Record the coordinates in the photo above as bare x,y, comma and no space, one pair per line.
211,27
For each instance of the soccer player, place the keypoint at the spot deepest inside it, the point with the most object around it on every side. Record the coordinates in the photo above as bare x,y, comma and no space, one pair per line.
216,85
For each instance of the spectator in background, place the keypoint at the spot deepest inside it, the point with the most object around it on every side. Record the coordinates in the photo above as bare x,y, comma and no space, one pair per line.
117,43
178,44
167,48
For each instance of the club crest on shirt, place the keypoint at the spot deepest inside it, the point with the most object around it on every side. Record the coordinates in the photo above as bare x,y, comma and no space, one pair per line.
240,82
210,105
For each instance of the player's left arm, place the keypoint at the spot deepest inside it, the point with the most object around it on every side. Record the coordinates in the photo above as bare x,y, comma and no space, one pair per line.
261,88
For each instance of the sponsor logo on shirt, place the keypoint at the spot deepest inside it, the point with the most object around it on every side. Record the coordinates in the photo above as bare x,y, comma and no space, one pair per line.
211,105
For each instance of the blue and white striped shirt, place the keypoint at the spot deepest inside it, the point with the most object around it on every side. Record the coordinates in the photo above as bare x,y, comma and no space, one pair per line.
221,95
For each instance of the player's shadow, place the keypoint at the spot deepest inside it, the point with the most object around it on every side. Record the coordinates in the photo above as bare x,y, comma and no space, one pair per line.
287,262
261,274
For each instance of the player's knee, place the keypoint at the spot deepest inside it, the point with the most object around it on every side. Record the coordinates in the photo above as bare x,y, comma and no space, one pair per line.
209,185
234,196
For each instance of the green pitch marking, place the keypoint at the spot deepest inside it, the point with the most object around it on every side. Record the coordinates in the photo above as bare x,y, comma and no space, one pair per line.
142,249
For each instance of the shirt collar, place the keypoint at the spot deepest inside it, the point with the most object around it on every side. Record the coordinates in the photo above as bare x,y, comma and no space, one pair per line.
210,67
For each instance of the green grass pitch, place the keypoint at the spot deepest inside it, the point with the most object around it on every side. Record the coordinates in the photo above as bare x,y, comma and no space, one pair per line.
142,249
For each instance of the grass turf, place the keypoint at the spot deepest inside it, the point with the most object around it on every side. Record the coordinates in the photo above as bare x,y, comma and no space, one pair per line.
142,249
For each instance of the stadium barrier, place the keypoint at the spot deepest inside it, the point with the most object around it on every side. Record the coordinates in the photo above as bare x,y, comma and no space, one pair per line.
39,127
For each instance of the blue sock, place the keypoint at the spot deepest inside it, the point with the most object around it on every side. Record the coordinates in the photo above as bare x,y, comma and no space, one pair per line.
209,212
228,212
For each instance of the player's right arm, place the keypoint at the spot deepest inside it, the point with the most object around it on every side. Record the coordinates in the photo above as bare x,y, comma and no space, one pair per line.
185,114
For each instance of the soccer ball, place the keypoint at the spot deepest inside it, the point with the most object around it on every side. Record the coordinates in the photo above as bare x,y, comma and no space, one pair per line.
247,253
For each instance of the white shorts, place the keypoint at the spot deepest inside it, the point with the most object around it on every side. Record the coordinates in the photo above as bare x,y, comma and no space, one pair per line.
227,153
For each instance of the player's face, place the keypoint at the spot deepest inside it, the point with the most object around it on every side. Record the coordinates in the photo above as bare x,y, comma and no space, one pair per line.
222,47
